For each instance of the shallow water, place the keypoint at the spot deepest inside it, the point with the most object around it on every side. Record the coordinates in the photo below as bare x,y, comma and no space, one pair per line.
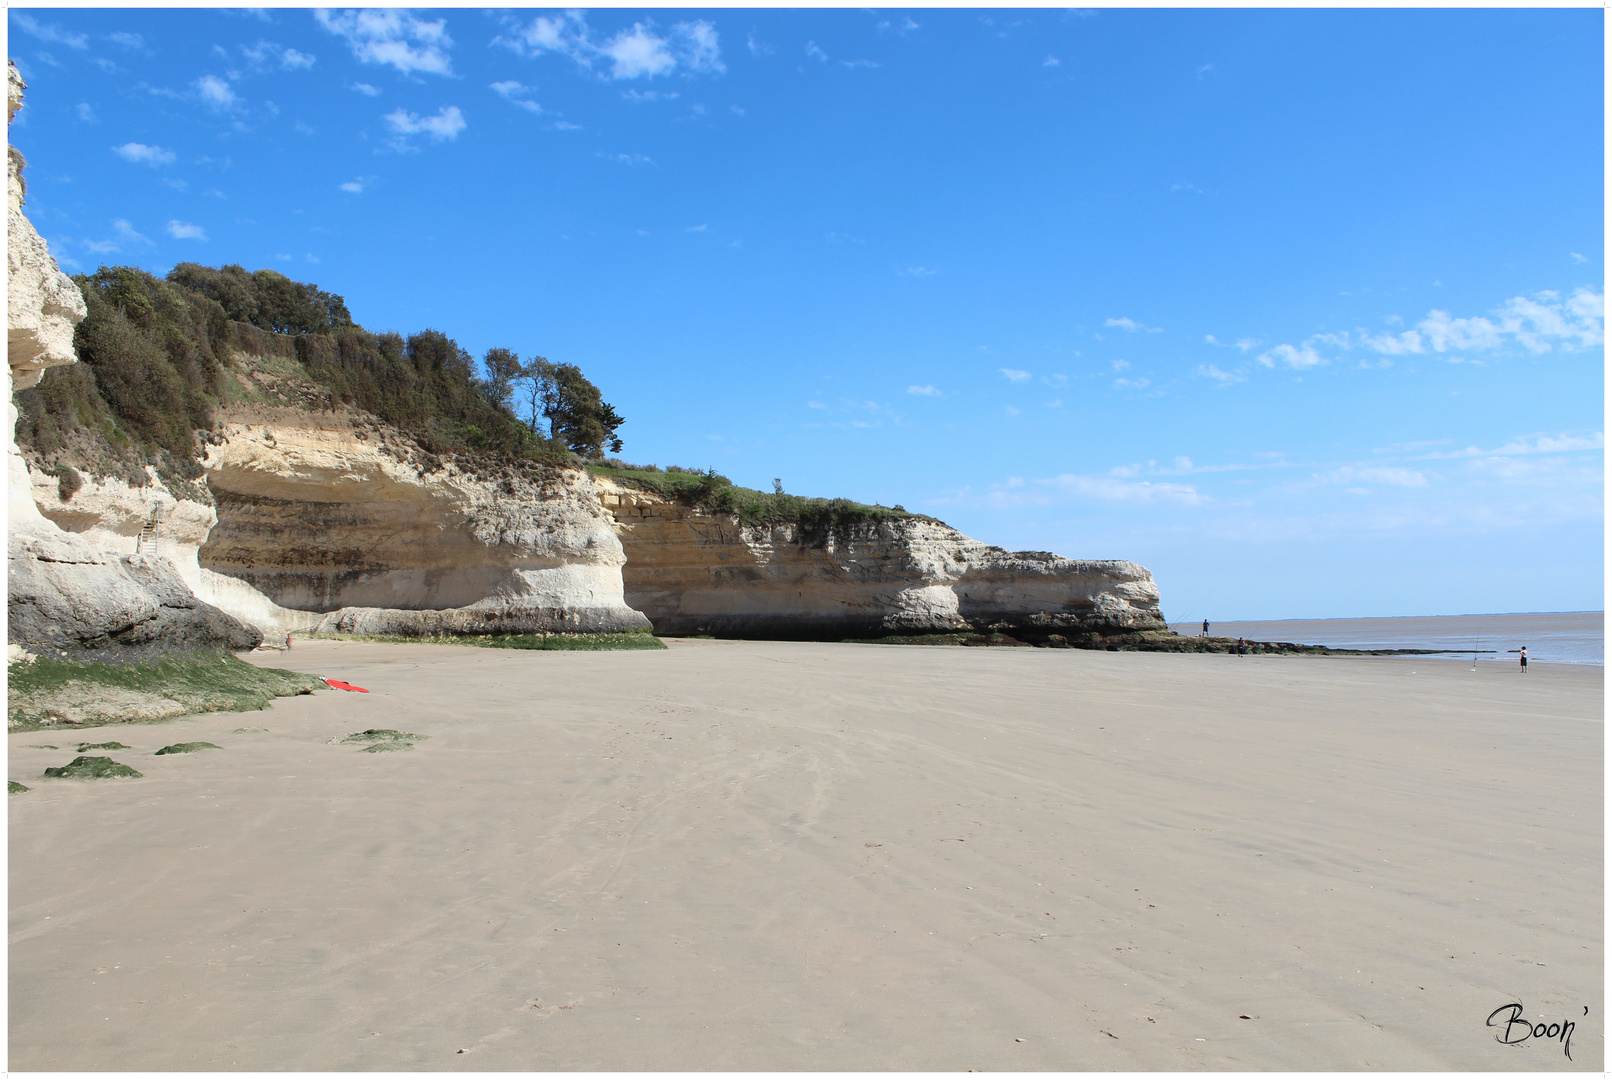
1572,637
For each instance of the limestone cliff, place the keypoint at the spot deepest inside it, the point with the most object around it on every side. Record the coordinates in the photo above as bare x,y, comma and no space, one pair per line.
65,593
696,572
337,523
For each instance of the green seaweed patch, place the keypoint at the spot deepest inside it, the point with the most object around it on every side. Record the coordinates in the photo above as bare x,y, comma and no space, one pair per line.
385,739
91,768
14,788
640,639
963,638
187,748
87,746
386,747
51,692
250,730
42,746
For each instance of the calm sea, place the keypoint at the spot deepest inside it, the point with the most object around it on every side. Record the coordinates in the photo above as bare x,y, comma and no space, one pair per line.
1571,637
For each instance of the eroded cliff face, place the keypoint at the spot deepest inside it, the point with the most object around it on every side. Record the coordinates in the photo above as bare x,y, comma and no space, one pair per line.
693,572
336,522
65,592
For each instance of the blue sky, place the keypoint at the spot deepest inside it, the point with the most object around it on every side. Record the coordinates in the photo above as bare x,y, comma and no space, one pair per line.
1300,309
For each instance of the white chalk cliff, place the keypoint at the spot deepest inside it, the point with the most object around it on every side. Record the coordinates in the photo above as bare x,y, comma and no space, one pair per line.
65,593
694,571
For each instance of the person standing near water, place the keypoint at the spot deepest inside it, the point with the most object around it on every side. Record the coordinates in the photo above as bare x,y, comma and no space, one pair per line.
1205,629
1525,659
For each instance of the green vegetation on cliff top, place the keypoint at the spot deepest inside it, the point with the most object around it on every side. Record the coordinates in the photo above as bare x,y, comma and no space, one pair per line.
712,491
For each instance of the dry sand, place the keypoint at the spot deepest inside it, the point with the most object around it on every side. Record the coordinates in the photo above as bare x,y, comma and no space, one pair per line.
812,856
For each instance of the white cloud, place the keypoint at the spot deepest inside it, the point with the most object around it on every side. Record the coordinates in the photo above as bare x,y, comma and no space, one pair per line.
924,391
353,187
366,89
632,161
47,31
816,53
1576,257
85,113
757,48
638,97
1130,325
1132,384
697,228
266,52
1300,358
127,40
1015,375
127,232
215,92
382,36
1119,365
1225,378
1116,487
1051,61
446,124
515,93
141,154
736,110
1373,474
859,63
638,51
183,230
915,271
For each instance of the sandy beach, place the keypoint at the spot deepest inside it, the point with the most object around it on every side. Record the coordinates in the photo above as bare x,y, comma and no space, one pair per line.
782,856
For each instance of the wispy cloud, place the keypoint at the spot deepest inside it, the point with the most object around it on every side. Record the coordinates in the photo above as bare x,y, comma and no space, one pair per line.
353,187
816,53
1225,378
126,39
394,38
638,51
366,89
48,31
85,113
270,54
1131,326
632,161
915,271
639,97
516,94
924,391
215,93
1015,375
184,230
141,154
444,126
1051,61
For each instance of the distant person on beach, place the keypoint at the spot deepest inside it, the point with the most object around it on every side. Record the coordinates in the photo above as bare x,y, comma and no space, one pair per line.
1525,659
1239,646
1205,629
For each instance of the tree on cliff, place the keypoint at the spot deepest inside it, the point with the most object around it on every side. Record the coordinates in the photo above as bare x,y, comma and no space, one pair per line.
575,410
504,370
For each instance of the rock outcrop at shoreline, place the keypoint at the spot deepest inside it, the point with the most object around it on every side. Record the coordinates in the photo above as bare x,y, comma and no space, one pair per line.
66,593
693,571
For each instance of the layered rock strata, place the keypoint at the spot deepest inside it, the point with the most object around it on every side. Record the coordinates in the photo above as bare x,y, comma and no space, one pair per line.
331,522
65,593
695,572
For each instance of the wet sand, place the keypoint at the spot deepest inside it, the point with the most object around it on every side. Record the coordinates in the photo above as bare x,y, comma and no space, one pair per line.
810,856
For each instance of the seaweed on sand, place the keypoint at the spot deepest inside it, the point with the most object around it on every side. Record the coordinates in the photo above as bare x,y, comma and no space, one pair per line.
91,768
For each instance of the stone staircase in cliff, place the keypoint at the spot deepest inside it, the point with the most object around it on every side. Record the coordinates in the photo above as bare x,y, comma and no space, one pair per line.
151,532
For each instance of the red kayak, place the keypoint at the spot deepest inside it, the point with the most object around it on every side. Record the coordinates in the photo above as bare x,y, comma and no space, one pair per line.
339,685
